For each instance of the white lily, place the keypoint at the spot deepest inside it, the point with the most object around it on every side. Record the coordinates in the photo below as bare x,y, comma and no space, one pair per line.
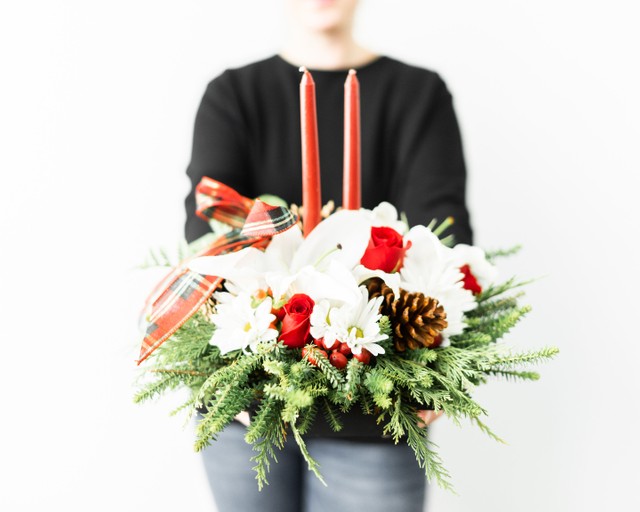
342,237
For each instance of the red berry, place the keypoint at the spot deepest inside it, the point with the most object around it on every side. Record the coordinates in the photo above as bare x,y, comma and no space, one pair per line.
338,360
364,357
437,341
311,354
344,349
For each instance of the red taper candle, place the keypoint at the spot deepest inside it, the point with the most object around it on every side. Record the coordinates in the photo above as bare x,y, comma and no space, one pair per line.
351,196
311,192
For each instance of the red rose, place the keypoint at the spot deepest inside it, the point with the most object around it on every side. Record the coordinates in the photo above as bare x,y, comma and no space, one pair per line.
385,250
296,324
469,281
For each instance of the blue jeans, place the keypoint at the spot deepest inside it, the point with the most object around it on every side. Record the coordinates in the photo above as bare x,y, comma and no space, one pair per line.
360,476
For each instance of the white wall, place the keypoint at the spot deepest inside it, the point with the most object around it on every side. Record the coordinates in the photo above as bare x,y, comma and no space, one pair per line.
97,101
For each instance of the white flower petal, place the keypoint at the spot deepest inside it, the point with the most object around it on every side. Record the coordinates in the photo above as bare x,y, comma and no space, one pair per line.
350,229
282,248
386,215
483,271
362,273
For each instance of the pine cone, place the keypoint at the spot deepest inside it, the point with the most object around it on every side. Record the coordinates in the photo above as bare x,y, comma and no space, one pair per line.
377,287
416,319
208,308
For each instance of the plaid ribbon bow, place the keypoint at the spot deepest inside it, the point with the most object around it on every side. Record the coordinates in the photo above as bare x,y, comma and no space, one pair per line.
181,293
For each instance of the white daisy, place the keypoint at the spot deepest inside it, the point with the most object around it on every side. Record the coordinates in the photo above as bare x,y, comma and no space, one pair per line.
321,325
241,326
357,324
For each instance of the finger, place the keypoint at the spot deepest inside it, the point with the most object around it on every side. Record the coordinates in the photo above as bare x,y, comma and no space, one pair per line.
428,417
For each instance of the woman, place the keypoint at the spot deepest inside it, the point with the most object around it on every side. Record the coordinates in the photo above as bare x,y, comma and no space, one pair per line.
247,135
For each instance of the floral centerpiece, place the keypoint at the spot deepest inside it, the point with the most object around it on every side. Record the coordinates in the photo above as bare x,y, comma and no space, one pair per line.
360,312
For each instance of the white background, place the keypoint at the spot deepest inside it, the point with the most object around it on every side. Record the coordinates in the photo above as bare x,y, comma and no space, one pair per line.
97,102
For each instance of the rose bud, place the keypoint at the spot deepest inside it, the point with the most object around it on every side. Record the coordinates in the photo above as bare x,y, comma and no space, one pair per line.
385,250
469,281
294,332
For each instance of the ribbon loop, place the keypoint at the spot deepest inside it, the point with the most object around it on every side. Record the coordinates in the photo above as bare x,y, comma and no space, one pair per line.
215,200
181,293
267,220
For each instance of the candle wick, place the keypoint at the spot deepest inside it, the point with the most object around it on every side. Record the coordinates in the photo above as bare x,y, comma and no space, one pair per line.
352,71
302,69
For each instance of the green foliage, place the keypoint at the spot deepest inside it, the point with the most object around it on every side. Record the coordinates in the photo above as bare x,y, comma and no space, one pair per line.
492,256
286,394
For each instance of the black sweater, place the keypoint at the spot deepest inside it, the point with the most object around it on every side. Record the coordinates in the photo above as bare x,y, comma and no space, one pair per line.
247,135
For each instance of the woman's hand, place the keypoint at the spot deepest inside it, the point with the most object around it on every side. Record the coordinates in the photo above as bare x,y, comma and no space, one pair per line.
243,417
428,417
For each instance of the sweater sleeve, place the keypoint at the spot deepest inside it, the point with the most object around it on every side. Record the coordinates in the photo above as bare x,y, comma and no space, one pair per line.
431,178
219,148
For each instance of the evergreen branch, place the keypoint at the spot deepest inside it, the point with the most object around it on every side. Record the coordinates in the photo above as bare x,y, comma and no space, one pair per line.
431,399
366,404
333,375
488,431
175,371
189,404
471,339
355,369
385,326
307,417
458,365
380,387
498,325
157,387
498,289
221,411
404,422
492,307
405,372
491,256
268,414
533,357
514,375
460,401
422,355
266,432
311,464
332,417
236,372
